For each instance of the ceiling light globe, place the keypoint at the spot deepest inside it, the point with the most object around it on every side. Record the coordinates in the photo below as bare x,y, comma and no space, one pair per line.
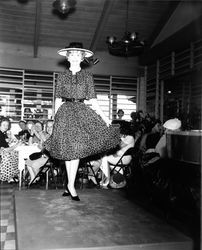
111,39
133,36
62,6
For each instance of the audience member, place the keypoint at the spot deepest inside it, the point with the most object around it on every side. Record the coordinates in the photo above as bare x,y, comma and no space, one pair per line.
120,114
151,138
173,125
119,121
137,122
38,135
30,123
9,157
127,141
158,170
39,159
159,151
49,127
28,114
24,133
140,116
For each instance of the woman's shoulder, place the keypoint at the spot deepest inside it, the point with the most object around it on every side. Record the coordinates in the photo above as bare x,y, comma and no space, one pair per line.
63,74
86,72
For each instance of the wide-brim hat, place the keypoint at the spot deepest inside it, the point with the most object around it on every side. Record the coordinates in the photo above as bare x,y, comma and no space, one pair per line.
172,124
75,46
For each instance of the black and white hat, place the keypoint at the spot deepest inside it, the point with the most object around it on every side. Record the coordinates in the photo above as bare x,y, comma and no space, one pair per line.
75,46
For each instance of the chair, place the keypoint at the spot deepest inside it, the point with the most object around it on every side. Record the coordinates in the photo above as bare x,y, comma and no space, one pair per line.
22,175
126,168
84,167
47,168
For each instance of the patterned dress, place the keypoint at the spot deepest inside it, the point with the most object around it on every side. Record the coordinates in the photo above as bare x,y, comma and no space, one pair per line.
8,160
78,130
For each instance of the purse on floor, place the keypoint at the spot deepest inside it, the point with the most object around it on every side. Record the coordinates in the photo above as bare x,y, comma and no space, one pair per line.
117,180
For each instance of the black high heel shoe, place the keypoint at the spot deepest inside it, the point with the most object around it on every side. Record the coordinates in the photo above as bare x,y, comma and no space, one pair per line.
66,193
75,198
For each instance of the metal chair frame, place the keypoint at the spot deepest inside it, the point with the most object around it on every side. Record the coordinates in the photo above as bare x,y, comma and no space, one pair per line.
48,166
85,165
120,163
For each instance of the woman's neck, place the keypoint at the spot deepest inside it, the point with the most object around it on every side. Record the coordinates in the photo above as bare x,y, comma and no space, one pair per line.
74,69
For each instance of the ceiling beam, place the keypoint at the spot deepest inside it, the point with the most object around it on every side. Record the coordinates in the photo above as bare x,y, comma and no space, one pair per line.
162,22
37,27
185,13
107,7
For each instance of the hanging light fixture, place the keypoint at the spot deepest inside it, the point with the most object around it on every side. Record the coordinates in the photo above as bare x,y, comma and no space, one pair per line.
129,45
64,6
91,61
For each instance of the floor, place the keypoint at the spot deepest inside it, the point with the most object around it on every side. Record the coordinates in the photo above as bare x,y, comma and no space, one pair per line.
7,220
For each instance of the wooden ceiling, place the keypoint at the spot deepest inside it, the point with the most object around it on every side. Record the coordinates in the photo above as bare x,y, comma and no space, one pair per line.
36,23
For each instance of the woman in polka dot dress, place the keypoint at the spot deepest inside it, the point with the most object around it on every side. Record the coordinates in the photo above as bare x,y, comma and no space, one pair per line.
78,130
8,155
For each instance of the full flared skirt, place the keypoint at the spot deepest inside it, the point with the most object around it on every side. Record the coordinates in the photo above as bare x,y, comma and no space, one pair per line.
79,132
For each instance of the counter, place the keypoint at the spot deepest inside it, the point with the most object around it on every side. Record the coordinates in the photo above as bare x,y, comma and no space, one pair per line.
185,146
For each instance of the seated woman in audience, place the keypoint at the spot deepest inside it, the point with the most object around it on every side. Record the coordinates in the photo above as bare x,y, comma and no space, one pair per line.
170,125
119,121
49,127
158,151
37,160
152,136
127,141
38,135
30,123
8,155
158,170
24,133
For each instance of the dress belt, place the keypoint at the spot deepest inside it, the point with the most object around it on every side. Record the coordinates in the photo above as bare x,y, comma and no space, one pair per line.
73,100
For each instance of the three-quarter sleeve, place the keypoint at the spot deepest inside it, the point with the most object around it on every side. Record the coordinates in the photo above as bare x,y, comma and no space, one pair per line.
90,86
58,88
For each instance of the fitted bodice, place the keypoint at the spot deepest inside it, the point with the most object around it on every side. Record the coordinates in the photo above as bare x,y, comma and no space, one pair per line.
78,86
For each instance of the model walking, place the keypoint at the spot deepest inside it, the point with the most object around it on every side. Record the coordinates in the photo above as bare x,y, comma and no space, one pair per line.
78,130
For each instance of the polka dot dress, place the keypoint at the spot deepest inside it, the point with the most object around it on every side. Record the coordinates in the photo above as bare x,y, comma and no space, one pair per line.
8,165
78,130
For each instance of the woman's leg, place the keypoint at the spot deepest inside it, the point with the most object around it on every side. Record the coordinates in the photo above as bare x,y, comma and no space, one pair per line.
35,165
105,167
105,171
72,167
96,166
31,173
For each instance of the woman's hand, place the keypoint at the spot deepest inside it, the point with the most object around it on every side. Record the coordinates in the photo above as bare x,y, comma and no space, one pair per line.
32,130
108,122
58,103
150,150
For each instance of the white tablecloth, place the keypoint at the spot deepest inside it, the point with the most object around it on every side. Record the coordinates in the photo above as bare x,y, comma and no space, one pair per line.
24,152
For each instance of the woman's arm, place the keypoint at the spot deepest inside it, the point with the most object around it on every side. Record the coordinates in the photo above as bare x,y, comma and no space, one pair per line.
58,103
40,136
19,143
96,106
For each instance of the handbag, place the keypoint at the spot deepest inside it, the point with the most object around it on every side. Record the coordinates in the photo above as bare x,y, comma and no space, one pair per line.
35,156
117,180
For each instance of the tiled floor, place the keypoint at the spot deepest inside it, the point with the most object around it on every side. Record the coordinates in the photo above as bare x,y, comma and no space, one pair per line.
7,221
